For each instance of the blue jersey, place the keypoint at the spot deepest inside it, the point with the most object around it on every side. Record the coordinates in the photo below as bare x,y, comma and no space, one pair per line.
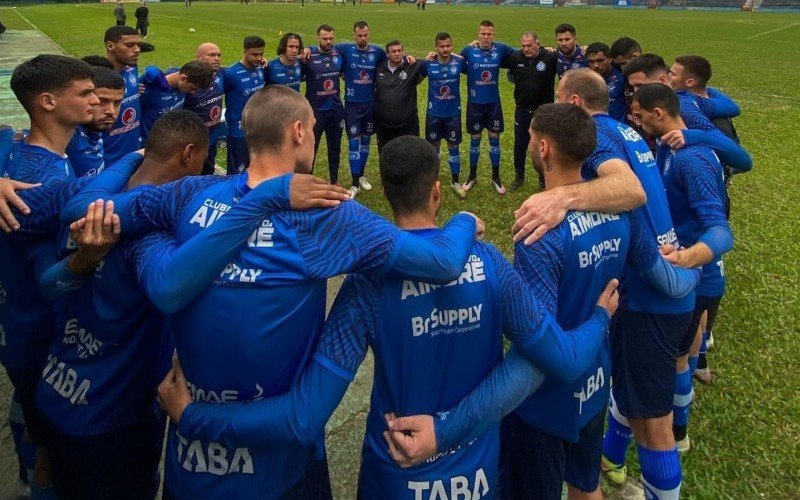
207,104
278,73
695,188
444,86
619,141
240,83
577,60
85,152
483,72
617,107
159,97
322,79
124,137
358,68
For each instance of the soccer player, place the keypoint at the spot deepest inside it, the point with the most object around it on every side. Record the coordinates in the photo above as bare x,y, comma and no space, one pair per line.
599,60
240,81
274,292
443,118
695,188
532,70
396,83
359,63
85,149
623,50
433,346
207,102
165,91
570,55
286,69
122,50
323,65
484,109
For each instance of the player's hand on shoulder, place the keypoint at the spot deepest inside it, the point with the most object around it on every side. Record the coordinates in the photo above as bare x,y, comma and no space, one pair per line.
475,43
410,440
173,393
550,49
9,198
307,191
95,234
609,299
674,139
539,214
410,59
305,54
431,56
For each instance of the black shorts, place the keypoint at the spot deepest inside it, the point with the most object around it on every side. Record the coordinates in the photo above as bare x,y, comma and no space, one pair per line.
359,118
484,116
644,349
701,305
438,128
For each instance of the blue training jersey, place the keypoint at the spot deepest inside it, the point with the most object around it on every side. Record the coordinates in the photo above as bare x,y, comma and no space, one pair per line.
695,188
483,72
240,83
278,73
85,152
207,104
124,137
358,68
617,107
322,79
444,86
616,140
577,60
159,97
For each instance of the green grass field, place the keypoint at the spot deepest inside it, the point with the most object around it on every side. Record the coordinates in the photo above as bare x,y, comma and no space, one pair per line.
745,427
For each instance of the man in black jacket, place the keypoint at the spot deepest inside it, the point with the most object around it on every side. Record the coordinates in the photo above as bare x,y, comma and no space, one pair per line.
532,70
142,15
396,95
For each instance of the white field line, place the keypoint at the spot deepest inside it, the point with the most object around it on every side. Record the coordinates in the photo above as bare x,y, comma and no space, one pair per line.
773,31
40,31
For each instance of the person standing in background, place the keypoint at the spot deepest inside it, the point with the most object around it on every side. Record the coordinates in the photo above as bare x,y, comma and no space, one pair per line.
119,13
142,15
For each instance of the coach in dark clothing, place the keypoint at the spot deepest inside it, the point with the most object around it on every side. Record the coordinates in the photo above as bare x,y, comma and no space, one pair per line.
119,14
142,15
396,96
532,70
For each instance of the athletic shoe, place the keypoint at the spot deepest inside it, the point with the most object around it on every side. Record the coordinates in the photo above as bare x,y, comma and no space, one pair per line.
684,444
354,190
499,187
470,183
617,474
364,183
710,341
459,190
518,182
704,375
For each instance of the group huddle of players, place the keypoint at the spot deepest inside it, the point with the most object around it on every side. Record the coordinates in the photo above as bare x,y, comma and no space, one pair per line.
115,258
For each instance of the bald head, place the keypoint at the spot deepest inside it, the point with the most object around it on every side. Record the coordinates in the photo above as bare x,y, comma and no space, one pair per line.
210,54
584,87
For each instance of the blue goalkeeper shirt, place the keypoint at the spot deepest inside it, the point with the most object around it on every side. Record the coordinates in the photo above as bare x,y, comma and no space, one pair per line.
240,83
444,86
124,137
483,72
358,69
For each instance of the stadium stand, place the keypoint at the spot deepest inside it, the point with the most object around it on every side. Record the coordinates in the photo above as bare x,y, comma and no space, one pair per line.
780,4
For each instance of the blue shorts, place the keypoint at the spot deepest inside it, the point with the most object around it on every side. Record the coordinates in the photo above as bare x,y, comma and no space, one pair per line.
485,116
644,348
532,460
359,118
238,156
438,128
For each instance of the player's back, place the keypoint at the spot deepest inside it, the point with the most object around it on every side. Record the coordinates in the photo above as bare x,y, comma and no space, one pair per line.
433,345
124,136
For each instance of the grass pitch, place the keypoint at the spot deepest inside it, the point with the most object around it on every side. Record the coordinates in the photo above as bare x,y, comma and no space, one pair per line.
745,428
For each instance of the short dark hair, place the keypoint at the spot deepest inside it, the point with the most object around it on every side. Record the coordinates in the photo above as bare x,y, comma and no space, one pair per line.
393,43
107,78
97,61
658,95
442,35
284,42
409,166
570,128
359,25
565,28
589,85
486,24
253,42
115,33
325,27
596,48
649,64
198,73
173,131
267,114
697,66
624,46
46,73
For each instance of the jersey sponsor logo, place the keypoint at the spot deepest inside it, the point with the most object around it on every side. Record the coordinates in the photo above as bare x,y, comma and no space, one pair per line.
628,133
486,75
593,385
328,84
606,249
215,114
86,343
129,116
455,318
473,273
451,488
363,77
234,273
262,237
581,222
209,212
670,237
444,91
646,157
64,381
213,458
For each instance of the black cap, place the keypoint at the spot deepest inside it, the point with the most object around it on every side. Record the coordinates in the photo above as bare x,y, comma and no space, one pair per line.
146,46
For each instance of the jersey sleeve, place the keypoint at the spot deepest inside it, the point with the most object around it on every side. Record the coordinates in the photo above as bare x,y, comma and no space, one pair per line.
154,78
718,105
727,150
299,415
698,175
540,265
57,280
606,150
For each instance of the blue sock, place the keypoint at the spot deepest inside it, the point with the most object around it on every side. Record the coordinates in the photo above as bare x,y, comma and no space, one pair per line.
617,437
704,344
354,154
661,473
693,364
494,155
364,153
683,397
474,154
455,162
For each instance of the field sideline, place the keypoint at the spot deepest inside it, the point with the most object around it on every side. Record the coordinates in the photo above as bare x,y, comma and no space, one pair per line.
745,428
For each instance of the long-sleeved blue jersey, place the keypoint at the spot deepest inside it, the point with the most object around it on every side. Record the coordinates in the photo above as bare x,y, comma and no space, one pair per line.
444,86
85,152
278,73
207,104
124,137
322,79
159,97
358,69
617,107
577,60
240,83
483,72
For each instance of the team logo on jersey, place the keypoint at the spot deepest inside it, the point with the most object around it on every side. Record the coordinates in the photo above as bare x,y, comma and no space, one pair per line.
335,60
254,74
453,70
353,129
444,91
290,72
215,113
327,85
131,78
129,116
371,57
576,65
432,136
540,66
486,75
403,75
476,127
